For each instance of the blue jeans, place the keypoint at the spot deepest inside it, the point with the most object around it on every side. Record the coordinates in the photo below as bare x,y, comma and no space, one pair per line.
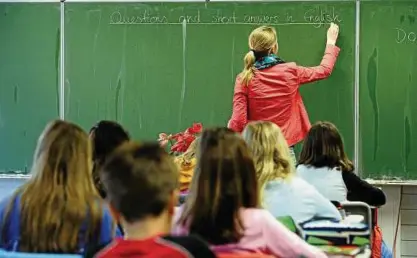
385,251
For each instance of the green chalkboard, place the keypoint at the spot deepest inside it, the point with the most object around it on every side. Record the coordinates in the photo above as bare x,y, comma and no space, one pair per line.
29,50
161,66
388,86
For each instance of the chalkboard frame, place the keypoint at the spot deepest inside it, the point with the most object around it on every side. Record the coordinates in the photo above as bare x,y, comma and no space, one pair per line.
357,158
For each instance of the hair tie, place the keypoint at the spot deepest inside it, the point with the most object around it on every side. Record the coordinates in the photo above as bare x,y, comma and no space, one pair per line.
259,54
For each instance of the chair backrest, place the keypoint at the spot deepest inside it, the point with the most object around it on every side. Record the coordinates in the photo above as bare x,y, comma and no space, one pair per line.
360,208
5,254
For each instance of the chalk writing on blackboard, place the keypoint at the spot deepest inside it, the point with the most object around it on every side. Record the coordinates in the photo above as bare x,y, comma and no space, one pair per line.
219,18
404,36
317,17
322,16
144,17
262,19
190,18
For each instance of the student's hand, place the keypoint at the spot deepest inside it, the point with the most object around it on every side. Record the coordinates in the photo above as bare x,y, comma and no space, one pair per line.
332,34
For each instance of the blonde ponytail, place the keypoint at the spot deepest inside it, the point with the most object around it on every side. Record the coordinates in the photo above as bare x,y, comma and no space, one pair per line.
248,69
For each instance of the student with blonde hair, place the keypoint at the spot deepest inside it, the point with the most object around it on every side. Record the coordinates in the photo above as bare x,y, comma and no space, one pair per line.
268,88
58,210
283,193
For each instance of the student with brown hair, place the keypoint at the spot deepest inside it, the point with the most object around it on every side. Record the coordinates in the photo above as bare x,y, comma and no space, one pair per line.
58,210
323,163
105,136
141,182
223,205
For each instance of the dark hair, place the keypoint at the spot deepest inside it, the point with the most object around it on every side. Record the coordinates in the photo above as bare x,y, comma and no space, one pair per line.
139,180
106,137
223,183
323,147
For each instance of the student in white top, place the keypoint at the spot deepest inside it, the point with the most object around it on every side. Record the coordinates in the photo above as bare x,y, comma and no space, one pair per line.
324,164
283,193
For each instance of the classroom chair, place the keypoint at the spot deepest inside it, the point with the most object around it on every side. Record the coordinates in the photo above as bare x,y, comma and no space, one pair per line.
6,254
360,208
356,234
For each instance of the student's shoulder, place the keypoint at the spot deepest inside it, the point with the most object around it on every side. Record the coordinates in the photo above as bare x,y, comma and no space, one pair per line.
300,184
107,215
5,202
256,217
192,245
305,168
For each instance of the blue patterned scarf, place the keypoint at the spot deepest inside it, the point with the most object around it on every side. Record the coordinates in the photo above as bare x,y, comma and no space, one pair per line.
268,61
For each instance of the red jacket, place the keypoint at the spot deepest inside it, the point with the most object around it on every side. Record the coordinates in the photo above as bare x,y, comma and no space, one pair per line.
273,95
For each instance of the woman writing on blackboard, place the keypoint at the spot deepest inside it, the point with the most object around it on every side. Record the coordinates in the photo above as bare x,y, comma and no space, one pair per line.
268,88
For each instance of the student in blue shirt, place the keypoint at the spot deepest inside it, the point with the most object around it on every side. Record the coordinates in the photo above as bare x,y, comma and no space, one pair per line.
58,210
282,192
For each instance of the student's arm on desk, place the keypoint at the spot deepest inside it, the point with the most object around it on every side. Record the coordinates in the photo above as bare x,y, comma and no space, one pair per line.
362,191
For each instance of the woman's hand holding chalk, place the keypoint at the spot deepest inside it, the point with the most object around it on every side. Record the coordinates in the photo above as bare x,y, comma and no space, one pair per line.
332,34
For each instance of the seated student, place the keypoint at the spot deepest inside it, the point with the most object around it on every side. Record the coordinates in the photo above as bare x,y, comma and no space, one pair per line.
141,182
223,204
283,193
105,136
324,164
58,210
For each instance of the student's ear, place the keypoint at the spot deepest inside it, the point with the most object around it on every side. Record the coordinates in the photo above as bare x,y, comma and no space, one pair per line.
275,48
173,202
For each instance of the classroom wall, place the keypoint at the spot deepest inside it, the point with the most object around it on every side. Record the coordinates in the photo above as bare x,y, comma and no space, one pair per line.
402,201
388,215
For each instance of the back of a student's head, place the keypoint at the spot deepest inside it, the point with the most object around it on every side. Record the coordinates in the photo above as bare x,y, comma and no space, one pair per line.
60,196
270,151
323,147
223,183
105,136
269,148
141,182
